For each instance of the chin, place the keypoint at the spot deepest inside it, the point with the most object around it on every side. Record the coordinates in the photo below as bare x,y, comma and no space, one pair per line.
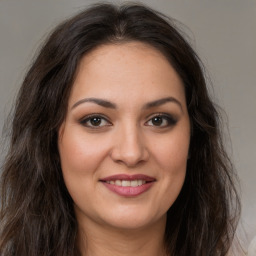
129,220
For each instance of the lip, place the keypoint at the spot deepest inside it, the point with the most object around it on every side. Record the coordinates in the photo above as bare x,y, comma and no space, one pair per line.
129,177
128,191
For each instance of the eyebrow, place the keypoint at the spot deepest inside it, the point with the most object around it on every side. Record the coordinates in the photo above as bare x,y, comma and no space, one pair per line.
101,102
108,104
162,101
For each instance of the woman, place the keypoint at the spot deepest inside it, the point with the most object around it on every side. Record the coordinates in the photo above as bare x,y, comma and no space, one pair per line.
115,146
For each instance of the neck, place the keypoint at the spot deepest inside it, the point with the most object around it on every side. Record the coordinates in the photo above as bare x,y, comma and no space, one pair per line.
98,240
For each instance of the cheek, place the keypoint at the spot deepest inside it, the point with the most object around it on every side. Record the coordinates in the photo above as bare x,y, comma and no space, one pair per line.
171,156
173,162
80,153
172,153
80,157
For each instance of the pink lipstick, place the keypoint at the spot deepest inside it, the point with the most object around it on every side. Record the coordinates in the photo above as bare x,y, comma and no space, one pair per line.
128,185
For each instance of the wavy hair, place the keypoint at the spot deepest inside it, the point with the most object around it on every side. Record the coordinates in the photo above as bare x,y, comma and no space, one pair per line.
37,215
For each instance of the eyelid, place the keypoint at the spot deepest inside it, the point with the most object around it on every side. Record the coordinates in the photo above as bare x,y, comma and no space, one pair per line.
86,118
172,120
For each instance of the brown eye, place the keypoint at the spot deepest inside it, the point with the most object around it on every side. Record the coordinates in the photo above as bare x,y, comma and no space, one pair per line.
161,121
157,120
95,122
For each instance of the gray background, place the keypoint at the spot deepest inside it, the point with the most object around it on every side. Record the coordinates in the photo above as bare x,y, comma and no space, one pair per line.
222,32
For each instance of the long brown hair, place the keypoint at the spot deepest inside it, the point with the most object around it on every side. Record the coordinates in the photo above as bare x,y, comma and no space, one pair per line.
37,216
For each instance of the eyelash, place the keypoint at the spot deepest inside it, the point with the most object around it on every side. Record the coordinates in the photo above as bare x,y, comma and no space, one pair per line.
89,118
171,121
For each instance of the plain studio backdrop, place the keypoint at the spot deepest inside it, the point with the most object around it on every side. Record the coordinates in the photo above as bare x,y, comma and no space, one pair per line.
223,32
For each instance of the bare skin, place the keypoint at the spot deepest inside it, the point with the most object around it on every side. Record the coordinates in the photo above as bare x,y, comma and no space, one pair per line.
126,117
124,242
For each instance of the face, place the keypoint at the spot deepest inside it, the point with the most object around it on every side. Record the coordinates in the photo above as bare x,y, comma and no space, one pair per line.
124,143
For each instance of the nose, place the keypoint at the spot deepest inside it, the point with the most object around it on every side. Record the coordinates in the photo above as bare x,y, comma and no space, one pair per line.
129,147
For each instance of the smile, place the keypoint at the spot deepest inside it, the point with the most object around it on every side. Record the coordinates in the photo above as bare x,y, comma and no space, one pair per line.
128,185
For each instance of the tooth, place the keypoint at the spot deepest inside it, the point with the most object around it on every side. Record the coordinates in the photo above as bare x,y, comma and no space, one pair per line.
118,182
134,183
126,183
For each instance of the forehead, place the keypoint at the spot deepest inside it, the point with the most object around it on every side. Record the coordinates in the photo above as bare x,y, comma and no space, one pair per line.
126,53
134,69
